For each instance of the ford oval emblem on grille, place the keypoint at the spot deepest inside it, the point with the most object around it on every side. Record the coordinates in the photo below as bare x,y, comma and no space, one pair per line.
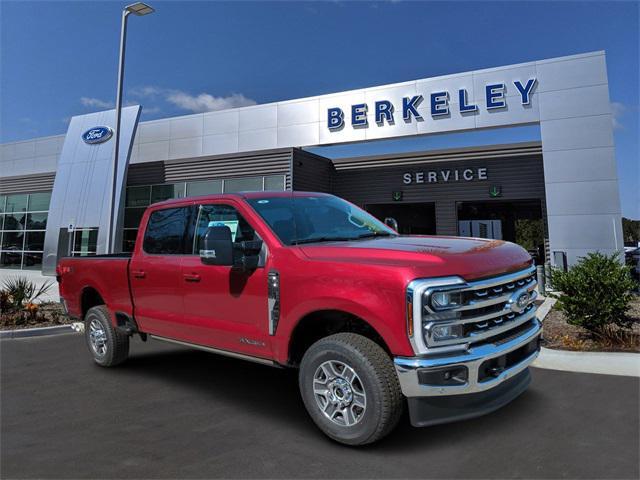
519,303
97,135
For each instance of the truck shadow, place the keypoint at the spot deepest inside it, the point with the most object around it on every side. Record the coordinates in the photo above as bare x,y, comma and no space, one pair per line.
273,393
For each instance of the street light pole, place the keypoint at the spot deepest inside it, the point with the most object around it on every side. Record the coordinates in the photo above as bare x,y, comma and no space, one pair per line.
137,9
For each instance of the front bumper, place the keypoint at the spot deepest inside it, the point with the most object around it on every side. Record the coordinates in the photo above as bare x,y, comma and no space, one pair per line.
506,359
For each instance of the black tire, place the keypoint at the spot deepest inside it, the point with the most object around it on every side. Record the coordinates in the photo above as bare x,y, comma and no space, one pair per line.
116,343
376,377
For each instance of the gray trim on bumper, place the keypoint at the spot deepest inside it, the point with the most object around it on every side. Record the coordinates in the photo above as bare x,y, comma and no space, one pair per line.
407,367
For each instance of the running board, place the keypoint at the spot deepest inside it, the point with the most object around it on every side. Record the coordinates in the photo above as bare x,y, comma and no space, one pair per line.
227,353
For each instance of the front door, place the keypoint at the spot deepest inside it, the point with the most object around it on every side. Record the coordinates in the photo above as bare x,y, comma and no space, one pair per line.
224,307
155,272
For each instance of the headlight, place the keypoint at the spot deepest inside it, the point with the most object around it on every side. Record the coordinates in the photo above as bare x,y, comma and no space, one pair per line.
444,299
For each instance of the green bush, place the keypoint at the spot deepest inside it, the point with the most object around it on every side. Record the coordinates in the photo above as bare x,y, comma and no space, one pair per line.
595,293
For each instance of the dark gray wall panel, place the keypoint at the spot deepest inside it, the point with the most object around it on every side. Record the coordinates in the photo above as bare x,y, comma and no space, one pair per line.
520,178
311,172
272,162
27,183
146,173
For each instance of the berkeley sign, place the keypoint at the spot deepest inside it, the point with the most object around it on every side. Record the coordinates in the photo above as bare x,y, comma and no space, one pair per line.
384,110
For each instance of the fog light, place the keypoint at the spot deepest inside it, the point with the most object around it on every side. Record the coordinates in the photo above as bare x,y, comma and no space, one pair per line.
444,376
445,299
446,332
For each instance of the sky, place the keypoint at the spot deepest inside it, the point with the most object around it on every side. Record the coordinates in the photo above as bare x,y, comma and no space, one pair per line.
59,59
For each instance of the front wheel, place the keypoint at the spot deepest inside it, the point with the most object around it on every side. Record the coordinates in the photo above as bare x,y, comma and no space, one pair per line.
350,388
108,346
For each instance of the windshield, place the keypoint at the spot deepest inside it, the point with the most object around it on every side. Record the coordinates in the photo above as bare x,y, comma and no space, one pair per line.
298,220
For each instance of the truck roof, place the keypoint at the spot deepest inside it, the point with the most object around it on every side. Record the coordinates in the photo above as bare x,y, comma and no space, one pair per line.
241,195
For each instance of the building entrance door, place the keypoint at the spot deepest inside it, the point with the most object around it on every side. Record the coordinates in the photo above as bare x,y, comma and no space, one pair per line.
480,228
518,221
412,218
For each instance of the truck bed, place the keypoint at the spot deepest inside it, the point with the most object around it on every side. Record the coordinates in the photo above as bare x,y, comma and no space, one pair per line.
86,276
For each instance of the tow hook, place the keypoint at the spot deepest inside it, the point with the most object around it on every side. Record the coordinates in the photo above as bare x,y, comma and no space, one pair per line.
496,371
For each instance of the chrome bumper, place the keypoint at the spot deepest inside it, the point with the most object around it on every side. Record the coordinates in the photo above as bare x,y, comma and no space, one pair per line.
407,367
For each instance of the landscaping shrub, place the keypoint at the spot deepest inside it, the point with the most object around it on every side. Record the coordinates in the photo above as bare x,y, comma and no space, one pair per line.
20,293
595,293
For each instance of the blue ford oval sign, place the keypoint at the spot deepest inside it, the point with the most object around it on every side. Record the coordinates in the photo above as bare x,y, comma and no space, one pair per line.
97,135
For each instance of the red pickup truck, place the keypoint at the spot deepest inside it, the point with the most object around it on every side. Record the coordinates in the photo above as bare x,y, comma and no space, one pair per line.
310,281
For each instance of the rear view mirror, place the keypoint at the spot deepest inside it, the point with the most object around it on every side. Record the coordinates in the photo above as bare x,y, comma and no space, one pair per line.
217,247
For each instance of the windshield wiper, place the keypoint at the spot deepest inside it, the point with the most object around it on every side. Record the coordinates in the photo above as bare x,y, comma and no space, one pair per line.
375,234
321,239
341,239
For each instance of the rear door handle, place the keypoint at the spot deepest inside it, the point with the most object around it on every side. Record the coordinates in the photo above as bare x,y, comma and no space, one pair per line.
139,273
191,277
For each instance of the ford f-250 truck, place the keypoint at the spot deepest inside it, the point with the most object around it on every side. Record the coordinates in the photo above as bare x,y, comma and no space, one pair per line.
310,281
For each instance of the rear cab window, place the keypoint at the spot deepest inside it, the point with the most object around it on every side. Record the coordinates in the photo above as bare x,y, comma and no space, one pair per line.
168,232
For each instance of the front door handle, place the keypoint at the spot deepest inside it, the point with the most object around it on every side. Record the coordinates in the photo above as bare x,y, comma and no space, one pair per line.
139,273
191,277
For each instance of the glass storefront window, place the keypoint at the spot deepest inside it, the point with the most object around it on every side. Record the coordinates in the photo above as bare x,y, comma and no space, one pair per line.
204,188
34,241
10,259
129,240
85,242
32,261
37,221
251,184
160,193
138,196
23,221
274,183
39,202
132,217
14,221
16,203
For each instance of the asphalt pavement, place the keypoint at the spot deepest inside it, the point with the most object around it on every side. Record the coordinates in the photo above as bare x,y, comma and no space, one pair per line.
170,412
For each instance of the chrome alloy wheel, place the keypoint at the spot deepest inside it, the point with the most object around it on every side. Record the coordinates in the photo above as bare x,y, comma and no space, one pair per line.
98,338
339,393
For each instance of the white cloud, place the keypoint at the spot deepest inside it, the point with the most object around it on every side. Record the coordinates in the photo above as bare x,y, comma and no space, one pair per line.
146,91
617,110
95,103
205,102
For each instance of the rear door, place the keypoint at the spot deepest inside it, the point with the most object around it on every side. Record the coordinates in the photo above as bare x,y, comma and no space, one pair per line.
155,272
224,307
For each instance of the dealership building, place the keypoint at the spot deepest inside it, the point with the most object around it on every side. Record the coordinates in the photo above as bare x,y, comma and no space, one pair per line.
558,197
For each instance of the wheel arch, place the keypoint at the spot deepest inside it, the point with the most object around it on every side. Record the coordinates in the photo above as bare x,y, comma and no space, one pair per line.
321,323
89,298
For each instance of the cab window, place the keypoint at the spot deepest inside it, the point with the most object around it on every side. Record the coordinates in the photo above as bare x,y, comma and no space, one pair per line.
222,215
167,232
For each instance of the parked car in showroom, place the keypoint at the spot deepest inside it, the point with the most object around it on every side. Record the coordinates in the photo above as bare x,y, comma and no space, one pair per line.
373,320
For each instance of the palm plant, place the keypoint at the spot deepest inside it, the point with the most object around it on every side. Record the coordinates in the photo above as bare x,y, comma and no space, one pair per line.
20,291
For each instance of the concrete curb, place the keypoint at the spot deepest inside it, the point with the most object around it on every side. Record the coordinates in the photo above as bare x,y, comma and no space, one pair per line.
39,332
606,363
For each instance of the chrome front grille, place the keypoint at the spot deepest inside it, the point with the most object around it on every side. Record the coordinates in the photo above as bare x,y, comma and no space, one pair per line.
487,308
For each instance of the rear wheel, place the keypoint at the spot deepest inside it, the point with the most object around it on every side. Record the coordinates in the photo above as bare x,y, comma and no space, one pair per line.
108,345
350,388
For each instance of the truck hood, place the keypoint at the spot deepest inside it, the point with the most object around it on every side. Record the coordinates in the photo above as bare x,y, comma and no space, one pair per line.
470,258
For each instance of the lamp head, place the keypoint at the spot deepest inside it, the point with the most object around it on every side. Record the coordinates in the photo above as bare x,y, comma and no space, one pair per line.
139,9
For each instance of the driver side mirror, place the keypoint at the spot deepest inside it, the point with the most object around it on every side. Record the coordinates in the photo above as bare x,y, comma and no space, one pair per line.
391,223
217,246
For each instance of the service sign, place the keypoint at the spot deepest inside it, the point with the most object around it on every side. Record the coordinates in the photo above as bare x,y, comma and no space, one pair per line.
97,135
